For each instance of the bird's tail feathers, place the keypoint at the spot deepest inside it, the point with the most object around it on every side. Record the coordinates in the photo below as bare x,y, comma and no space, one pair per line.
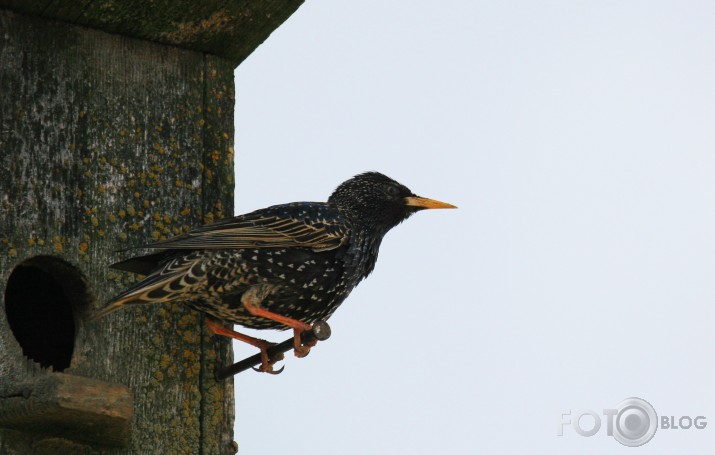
154,289
112,307
173,281
139,293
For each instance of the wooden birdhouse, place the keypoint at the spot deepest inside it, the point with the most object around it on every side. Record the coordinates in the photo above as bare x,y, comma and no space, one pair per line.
116,129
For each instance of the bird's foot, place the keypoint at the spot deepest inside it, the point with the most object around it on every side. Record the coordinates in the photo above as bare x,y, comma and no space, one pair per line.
267,362
301,349
269,370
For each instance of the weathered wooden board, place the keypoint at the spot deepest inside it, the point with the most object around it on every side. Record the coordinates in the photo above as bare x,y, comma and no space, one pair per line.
69,407
106,143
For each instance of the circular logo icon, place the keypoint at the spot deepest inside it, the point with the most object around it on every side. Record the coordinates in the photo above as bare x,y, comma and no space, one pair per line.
635,423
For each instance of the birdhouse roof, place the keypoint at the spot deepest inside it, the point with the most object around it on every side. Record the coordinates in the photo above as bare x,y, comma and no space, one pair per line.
231,29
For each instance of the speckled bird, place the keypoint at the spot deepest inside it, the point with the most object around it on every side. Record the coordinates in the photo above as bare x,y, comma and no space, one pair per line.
285,266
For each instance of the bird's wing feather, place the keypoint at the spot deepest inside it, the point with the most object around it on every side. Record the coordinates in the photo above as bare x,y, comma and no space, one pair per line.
292,225
143,265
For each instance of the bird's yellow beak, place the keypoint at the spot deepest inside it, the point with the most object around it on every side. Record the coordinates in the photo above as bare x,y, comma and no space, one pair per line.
423,202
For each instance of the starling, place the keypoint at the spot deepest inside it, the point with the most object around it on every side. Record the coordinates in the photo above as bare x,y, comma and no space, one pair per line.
285,266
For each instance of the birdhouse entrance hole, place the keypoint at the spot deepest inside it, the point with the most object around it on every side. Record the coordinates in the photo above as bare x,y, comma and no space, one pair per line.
42,298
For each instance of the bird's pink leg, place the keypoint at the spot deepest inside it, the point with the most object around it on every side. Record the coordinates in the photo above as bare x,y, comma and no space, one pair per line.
263,345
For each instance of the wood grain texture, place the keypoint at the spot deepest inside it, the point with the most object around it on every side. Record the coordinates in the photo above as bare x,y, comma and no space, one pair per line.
229,29
107,143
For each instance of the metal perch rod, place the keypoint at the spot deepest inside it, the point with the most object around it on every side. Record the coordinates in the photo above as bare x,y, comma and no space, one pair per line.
320,332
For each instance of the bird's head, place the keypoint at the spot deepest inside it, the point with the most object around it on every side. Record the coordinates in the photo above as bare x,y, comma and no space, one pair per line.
373,199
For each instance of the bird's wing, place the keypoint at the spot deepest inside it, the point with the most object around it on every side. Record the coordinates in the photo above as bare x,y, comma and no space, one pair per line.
307,225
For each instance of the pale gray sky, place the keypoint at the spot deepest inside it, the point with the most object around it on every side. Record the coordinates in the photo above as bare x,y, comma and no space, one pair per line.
577,139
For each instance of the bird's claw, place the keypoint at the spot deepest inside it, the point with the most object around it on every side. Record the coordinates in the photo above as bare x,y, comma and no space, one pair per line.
269,369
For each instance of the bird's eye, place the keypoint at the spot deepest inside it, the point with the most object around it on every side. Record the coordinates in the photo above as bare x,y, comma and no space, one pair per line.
393,190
